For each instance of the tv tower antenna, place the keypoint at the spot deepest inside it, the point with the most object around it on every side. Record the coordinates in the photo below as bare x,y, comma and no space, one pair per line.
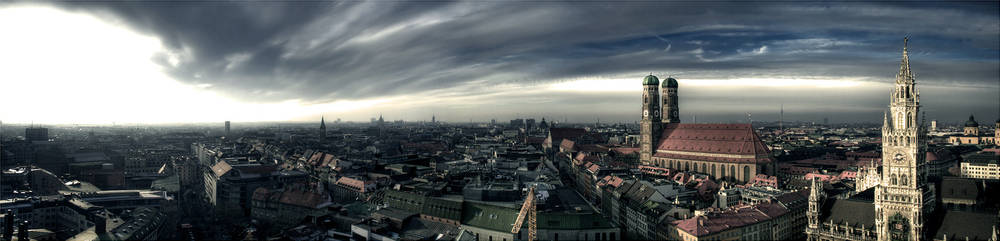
781,119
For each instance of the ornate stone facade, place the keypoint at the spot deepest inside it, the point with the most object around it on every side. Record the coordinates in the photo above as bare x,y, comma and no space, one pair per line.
903,198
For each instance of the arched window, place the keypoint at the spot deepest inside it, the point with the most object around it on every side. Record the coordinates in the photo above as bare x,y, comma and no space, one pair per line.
722,172
713,170
732,171
746,173
703,168
687,166
902,180
671,163
892,179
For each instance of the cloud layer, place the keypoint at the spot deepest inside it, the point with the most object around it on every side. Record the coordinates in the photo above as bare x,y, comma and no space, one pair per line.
493,52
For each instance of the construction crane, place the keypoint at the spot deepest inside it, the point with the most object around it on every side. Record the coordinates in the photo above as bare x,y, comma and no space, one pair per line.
527,211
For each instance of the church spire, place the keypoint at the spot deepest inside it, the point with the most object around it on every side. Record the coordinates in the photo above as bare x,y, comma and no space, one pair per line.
905,76
322,122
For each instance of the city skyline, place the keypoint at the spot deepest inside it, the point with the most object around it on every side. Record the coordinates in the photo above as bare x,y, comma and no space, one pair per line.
131,63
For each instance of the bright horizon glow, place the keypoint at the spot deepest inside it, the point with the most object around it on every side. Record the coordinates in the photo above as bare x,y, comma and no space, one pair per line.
106,74
634,84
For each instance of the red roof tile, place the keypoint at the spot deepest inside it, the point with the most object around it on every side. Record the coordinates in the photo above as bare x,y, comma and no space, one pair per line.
221,168
714,222
737,139
626,150
594,168
566,145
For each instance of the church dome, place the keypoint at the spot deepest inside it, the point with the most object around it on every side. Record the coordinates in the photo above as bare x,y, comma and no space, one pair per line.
971,122
650,80
670,83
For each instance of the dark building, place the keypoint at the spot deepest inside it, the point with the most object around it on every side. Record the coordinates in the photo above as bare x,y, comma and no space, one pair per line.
36,134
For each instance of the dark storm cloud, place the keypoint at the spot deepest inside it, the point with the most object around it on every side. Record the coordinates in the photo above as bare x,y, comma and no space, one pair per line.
325,51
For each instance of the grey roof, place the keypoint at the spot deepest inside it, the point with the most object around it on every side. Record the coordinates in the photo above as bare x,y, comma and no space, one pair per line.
959,188
959,225
853,212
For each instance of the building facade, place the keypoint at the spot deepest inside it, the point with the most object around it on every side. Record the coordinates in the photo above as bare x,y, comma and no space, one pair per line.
981,166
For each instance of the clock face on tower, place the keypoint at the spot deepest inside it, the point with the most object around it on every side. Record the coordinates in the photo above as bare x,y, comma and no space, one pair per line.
645,113
656,113
898,158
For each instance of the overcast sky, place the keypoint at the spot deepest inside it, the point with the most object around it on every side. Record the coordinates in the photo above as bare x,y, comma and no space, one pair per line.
104,61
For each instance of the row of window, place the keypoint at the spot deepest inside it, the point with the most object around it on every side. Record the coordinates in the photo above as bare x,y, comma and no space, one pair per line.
705,169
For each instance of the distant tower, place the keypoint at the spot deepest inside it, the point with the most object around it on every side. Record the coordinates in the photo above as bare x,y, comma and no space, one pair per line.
227,128
996,132
933,125
433,118
902,198
322,128
670,104
781,119
649,126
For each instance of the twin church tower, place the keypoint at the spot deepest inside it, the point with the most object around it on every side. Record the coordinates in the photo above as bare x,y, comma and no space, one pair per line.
656,113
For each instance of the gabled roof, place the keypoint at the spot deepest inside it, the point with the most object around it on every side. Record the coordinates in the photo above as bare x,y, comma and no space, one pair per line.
853,212
304,198
567,145
738,139
959,225
558,134
715,222
221,168
959,188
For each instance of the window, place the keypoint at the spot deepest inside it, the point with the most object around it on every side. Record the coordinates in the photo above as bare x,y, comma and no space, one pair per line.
746,173
902,179
703,168
892,179
713,169
732,170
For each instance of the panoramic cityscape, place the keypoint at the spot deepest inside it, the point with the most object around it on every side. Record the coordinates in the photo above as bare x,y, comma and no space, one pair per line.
500,120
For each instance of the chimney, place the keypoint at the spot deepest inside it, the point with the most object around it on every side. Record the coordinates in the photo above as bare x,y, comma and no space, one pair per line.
100,225
8,225
22,231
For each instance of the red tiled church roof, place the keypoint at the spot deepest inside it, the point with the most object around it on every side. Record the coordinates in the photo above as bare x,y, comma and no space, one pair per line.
732,139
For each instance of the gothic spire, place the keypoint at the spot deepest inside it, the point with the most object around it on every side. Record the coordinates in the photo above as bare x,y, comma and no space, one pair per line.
322,122
815,189
905,76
